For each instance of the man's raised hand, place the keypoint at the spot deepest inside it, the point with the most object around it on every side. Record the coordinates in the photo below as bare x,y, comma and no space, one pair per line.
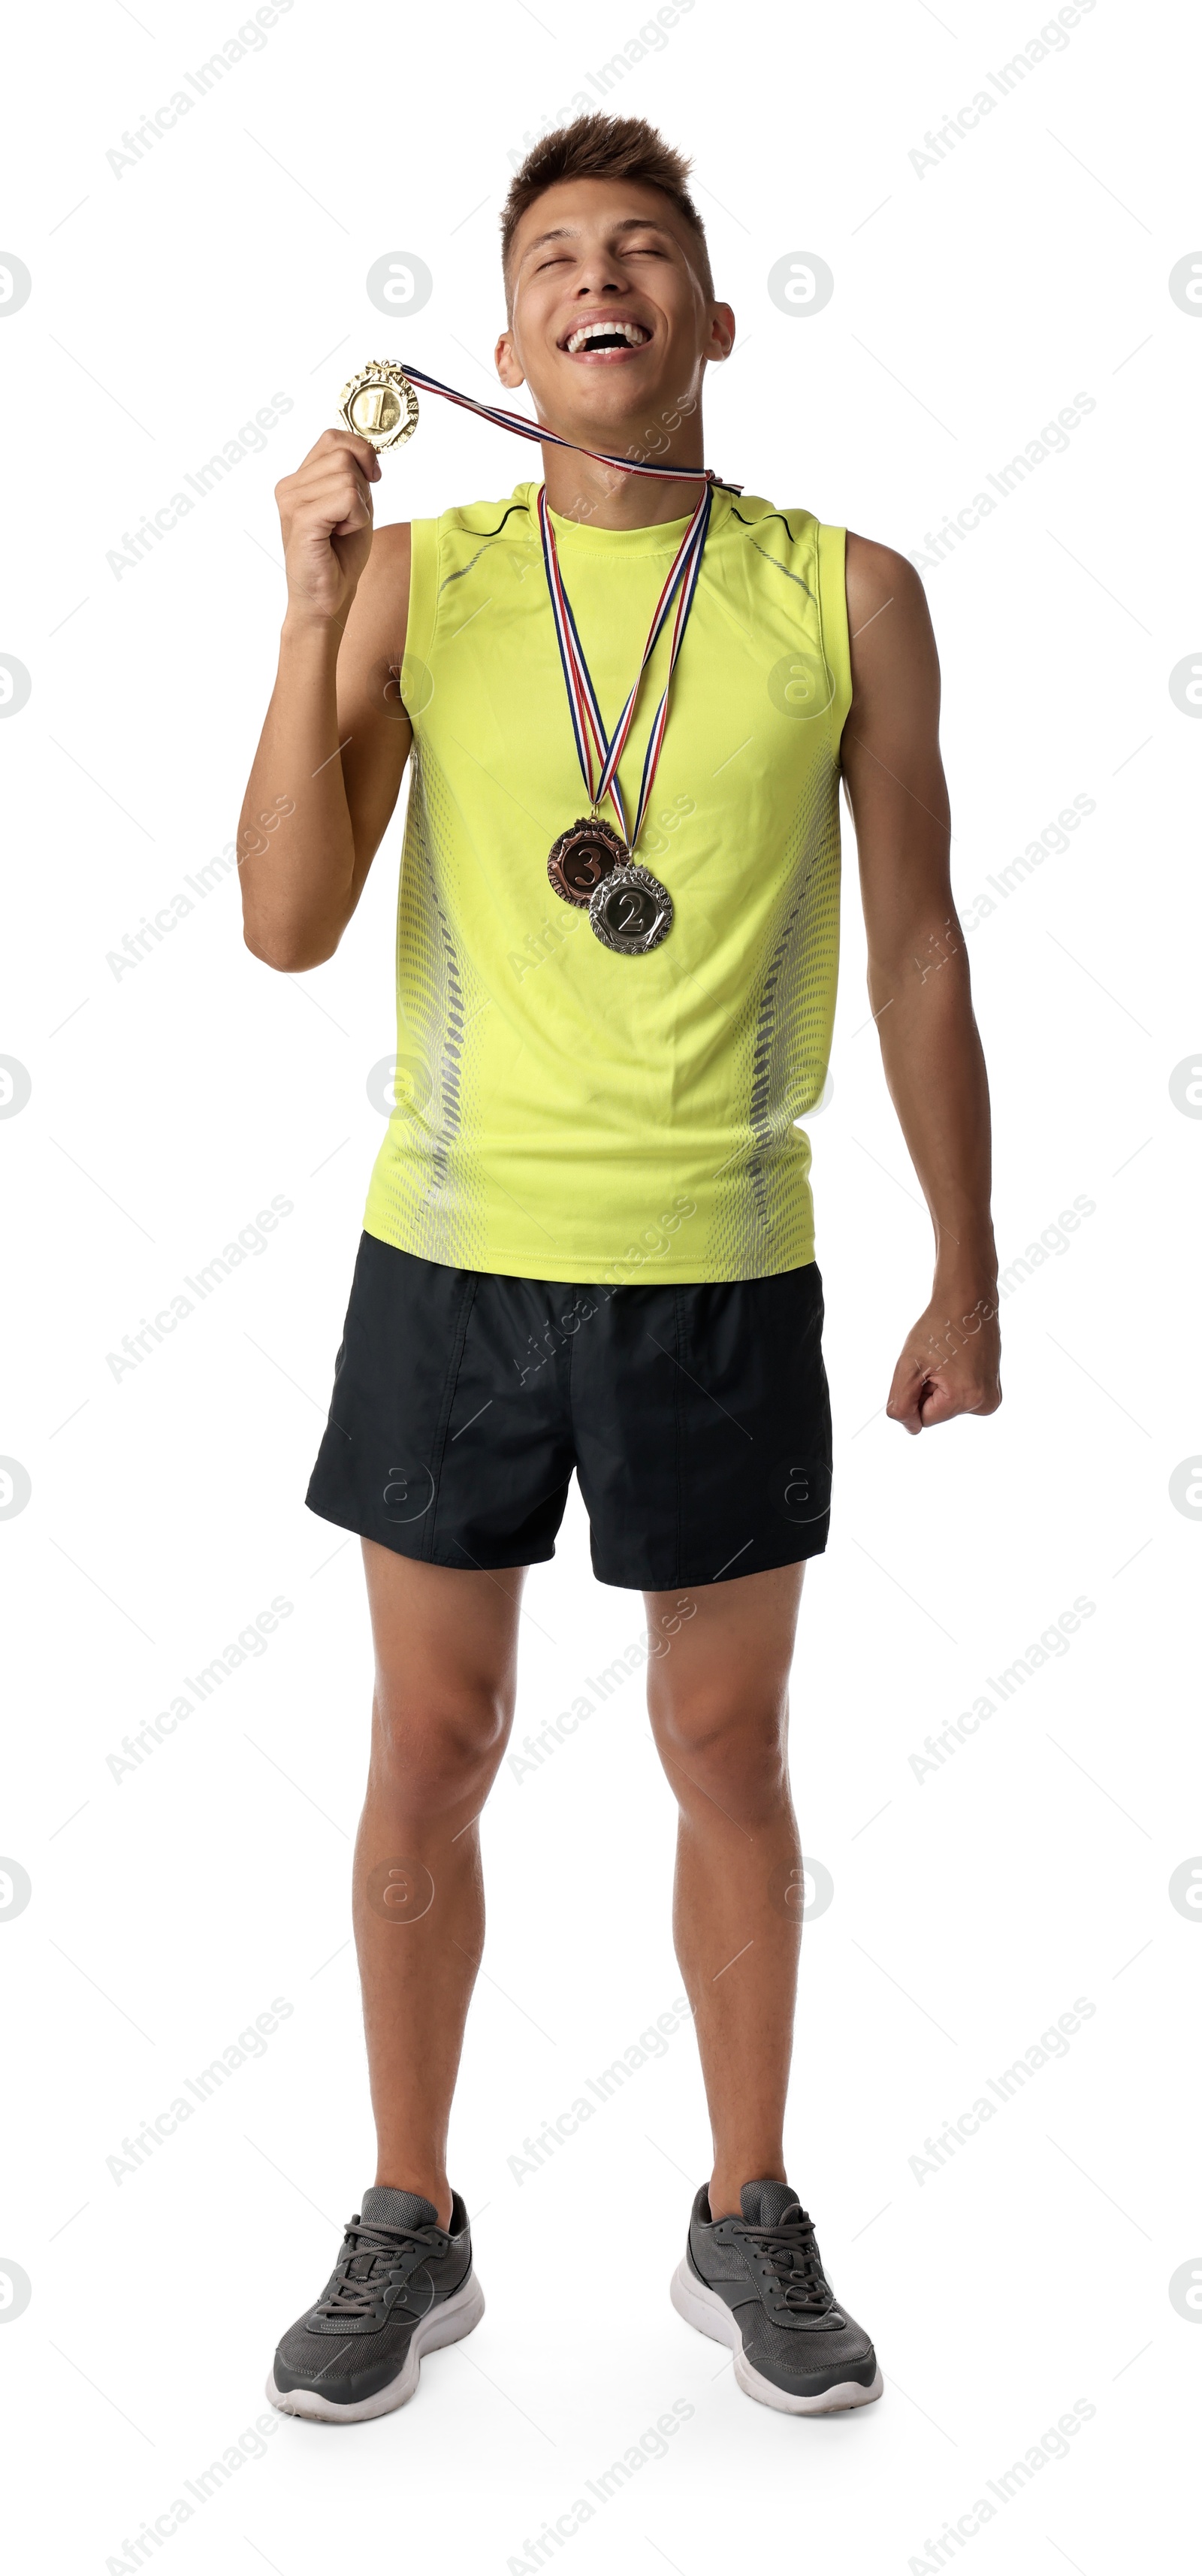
326,520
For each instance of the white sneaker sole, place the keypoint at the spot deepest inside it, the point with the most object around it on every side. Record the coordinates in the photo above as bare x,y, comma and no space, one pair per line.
446,2324
701,2307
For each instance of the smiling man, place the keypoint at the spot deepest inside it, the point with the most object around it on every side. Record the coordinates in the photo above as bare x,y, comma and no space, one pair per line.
588,1247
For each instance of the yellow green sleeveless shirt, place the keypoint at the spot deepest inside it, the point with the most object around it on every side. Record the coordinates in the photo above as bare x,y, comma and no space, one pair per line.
564,1112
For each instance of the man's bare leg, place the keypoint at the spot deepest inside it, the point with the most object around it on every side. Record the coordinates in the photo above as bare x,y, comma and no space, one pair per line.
446,1672
718,1703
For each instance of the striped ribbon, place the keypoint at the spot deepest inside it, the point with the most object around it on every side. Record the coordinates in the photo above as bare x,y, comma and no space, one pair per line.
551,438
587,724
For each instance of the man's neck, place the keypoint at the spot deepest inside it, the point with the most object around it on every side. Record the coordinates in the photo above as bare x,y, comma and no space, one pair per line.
578,488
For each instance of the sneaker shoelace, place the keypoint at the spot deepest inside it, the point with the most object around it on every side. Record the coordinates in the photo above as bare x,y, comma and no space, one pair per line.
364,2272
793,2254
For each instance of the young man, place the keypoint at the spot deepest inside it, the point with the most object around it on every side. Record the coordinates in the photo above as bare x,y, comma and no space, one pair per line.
588,1234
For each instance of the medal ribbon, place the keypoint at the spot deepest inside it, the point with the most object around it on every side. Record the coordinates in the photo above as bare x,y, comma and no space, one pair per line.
587,724
521,428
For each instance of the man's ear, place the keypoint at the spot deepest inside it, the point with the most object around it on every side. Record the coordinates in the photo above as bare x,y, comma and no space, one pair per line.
722,333
506,361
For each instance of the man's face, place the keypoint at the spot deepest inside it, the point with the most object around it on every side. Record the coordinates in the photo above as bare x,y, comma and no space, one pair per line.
610,326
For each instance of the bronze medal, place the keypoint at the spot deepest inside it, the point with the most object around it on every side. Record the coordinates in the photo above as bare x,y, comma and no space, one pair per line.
583,857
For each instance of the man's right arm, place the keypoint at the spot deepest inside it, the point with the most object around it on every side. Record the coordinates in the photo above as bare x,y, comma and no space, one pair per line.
334,744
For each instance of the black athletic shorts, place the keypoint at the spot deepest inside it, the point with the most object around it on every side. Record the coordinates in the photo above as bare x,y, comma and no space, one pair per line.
696,1417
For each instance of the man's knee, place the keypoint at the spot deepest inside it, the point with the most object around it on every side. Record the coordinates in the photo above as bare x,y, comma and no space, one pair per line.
430,1750
720,1738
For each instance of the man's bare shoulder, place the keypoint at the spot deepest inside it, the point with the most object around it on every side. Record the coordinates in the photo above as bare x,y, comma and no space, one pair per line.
876,575
889,623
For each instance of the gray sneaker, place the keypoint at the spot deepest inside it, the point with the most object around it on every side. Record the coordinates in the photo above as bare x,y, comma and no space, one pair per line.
757,2283
402,2285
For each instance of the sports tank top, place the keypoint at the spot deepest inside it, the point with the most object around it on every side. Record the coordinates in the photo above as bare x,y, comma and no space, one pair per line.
561,1111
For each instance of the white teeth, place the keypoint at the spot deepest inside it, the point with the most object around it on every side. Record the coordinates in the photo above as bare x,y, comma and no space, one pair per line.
632,332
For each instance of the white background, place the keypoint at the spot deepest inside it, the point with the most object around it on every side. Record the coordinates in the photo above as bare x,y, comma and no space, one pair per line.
971,1906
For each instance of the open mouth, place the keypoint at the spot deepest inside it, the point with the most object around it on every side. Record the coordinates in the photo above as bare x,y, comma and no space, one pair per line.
608,338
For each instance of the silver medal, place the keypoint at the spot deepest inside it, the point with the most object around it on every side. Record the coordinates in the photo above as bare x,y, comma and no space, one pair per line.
630,911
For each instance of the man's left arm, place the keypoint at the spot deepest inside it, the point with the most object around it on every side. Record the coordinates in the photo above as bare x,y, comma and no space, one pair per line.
918,981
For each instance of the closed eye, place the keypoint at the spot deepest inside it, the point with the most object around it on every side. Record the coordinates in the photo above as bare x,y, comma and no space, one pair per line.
637,250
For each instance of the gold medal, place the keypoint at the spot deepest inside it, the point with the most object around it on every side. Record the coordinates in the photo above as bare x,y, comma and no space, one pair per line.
379,404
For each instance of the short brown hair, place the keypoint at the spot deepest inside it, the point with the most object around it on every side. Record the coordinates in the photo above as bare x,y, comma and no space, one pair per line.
605,147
